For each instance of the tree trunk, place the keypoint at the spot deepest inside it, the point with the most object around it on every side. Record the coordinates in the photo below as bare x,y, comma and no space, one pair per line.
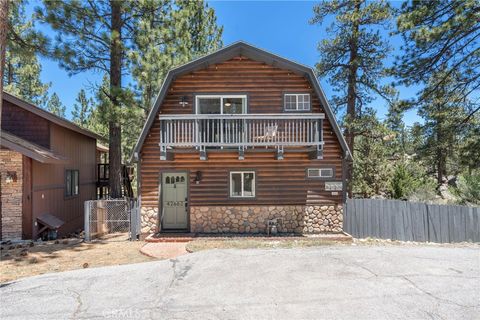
115,128
3,45
352,97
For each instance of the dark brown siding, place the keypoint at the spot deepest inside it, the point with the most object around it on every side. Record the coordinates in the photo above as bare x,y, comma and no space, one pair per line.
49,180
25,124
278,181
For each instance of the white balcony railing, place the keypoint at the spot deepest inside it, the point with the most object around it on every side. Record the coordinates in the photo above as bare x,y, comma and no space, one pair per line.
241,131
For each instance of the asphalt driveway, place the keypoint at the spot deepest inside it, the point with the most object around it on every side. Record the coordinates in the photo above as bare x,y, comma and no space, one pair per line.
331,282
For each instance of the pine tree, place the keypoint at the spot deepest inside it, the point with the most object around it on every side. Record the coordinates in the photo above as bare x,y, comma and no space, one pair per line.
82,109
352,58
55,106
95,35
109,36
167,36
440,34
21,75
4,9
397,142
443,110
371,166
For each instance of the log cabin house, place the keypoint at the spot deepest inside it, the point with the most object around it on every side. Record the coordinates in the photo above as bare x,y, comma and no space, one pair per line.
238,141
49,167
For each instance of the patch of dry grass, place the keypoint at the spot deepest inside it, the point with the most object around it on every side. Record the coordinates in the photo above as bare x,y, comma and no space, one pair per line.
207,244
66,255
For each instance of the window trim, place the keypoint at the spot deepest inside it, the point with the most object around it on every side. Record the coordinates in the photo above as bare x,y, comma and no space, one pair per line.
72,187
221,96
254,184
289,94
320,177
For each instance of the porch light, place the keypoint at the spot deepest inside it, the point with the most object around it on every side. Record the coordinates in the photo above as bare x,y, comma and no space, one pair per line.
183,102
198,177
11,177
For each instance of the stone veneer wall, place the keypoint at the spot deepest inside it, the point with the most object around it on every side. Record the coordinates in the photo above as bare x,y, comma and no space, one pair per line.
253,219
149,220
11,195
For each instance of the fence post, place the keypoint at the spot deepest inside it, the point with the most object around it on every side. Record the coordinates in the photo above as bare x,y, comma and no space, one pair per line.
87,220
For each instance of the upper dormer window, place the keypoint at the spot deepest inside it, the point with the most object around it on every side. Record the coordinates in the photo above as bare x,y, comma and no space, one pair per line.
297,101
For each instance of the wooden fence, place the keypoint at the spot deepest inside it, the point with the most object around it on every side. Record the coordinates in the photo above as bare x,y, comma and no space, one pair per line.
411,221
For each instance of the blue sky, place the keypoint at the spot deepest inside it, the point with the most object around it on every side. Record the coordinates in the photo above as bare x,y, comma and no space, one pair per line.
278,26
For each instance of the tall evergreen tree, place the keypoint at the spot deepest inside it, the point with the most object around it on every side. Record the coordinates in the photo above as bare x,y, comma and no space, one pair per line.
440,34
21,75
371,166
170,34
82,109
443,110
352,58
55,106
4,8
95,35
111,35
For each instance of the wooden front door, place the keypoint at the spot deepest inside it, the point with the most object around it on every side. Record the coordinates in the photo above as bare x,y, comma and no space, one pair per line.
175,200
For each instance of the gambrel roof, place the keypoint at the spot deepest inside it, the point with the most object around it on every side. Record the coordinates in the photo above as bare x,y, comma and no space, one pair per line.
226,53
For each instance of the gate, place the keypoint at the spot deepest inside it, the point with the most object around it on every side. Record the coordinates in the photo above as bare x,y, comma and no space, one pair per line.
117,218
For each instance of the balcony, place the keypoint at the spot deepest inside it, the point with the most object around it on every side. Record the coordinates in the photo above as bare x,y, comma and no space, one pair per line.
242,132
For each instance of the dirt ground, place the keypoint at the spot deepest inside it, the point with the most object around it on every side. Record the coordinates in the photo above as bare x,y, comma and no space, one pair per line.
251,243
68,254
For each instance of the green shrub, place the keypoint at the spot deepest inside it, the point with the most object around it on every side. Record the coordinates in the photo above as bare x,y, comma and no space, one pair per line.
403,182
468,188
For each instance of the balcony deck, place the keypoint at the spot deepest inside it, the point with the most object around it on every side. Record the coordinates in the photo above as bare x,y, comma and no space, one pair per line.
241,131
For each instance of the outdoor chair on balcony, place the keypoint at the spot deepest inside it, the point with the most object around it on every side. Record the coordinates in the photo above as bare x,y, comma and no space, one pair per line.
270,134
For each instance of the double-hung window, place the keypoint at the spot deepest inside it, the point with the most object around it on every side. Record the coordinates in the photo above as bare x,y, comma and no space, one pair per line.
297,101
71,183
242,184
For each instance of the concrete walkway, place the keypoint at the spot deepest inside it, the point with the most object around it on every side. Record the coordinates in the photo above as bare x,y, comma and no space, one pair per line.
330,282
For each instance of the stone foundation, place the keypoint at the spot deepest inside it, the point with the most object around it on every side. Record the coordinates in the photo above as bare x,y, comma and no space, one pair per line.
149,220
11,195
254,219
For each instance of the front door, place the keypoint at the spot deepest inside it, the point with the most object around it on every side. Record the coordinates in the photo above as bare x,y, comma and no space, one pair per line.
174,200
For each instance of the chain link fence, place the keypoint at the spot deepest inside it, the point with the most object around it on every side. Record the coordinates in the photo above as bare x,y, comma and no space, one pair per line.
116,218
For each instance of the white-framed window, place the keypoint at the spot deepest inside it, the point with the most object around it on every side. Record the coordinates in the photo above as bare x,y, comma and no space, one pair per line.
320,173
297,101
220,104
242,184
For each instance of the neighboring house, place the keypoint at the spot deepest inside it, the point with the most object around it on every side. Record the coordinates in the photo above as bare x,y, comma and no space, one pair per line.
48,169
237,140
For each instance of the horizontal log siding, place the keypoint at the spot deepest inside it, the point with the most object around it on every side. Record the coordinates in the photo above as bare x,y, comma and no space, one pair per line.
278,181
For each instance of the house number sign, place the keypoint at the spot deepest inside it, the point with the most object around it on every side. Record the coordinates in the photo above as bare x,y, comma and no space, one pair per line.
333,186
175,203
